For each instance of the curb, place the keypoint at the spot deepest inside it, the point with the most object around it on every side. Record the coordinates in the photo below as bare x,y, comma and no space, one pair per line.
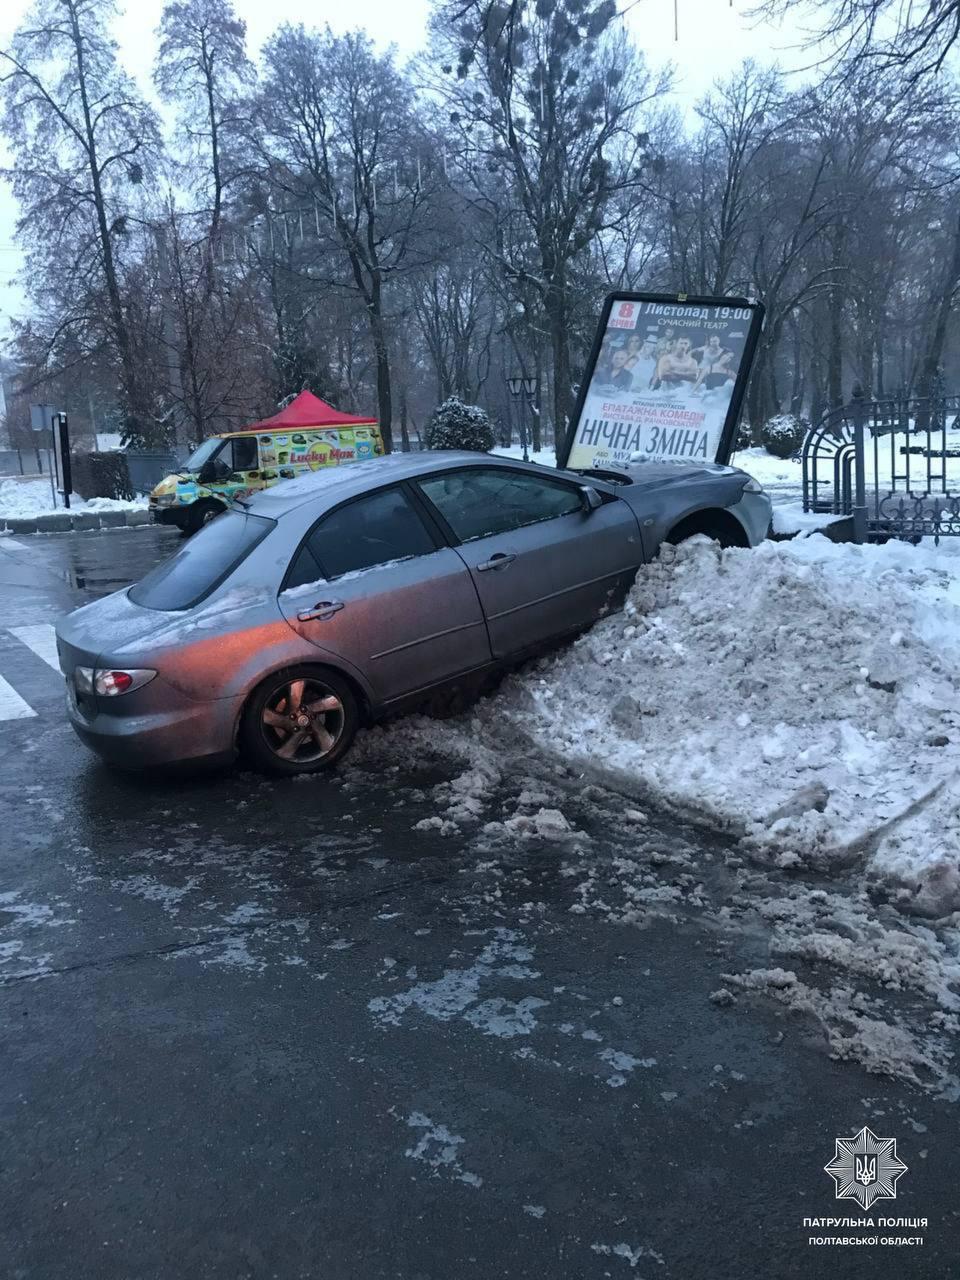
65,521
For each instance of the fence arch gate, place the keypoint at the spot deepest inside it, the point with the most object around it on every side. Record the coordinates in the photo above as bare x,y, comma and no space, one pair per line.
892,464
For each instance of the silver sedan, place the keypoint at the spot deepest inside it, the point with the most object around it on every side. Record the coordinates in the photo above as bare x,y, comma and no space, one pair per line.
331,600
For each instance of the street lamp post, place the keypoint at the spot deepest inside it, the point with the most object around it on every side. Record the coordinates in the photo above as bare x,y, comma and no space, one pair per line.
527,388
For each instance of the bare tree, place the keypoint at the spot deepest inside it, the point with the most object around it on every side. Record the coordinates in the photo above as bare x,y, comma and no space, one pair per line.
916,38
83,142
341,145
202,68
548,95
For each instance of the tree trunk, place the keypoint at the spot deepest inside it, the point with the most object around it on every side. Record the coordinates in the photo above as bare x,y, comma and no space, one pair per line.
384,396
797,382
214,233
835,349
756,410
941,304
404,429
537,409
118,320
560,346
773,390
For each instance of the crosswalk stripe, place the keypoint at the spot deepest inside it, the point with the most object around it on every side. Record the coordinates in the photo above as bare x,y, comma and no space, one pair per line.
42,639
8,544
12,706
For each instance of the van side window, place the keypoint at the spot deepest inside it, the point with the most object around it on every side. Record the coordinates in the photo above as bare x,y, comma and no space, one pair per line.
245,453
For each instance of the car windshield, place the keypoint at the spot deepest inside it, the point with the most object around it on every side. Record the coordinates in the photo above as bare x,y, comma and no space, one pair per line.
202,563
203,453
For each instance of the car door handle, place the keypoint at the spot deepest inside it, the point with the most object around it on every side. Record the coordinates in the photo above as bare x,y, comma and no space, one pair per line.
322,611
499,560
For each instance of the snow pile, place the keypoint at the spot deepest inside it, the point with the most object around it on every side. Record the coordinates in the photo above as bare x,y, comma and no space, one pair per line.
790,518
804,695
26,499
846,947
855,1030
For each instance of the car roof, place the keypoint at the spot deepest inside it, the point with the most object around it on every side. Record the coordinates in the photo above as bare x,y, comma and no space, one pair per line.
354,478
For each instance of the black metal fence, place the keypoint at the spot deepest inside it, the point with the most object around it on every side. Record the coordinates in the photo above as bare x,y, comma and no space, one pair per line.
893,464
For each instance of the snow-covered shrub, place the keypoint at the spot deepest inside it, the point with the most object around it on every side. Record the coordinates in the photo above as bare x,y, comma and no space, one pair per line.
744,438
455,425
783,435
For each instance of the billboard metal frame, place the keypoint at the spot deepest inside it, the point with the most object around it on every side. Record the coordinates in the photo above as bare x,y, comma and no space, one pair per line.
728,434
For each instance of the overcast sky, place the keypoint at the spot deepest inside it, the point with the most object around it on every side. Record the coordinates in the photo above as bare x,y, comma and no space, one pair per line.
714,37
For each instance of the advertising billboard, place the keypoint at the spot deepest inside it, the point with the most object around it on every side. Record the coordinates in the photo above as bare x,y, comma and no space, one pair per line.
665,381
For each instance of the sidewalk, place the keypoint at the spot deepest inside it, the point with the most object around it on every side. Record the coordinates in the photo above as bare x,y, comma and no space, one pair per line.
64,521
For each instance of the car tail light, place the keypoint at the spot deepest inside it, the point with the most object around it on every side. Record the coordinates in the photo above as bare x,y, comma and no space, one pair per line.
110,684
83,679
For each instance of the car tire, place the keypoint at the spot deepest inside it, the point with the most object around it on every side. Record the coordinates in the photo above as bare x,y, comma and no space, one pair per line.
201,513
319,744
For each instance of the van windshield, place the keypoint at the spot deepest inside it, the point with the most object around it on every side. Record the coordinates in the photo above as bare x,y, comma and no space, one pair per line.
202,563
203,453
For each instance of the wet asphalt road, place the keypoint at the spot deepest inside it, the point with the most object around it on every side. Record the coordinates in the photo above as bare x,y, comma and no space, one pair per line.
264,1029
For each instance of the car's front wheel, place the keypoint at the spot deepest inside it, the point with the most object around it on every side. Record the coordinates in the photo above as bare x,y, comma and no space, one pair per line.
299,720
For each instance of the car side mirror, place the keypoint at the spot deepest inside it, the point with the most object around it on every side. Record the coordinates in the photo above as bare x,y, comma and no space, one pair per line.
589,498
207,473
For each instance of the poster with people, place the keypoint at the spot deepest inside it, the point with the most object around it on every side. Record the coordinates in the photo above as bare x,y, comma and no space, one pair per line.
665,383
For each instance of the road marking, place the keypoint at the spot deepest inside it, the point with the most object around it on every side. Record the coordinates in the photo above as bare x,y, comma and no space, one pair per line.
8,544
12,706
42,639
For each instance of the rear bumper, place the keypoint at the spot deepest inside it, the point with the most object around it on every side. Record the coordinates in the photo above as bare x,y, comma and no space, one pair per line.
194,731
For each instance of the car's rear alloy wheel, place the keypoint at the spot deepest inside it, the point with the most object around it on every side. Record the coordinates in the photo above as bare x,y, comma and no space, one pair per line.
300,720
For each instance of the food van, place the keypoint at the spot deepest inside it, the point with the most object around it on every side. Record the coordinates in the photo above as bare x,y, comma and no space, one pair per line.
306,435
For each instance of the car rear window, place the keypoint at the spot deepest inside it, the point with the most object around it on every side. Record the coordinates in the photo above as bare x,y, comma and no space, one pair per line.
202,563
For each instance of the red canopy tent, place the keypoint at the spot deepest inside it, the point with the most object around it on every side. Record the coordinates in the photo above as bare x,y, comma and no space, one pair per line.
308,410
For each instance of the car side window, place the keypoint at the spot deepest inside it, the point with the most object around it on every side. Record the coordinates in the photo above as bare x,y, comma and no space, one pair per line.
373,530
484,501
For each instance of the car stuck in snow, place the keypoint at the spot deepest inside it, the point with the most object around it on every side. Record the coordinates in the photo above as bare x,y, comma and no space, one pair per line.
338,597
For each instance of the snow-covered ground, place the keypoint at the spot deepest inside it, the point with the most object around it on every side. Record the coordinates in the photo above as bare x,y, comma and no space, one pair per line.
25,499
781,478
803,699
803,696
546,457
